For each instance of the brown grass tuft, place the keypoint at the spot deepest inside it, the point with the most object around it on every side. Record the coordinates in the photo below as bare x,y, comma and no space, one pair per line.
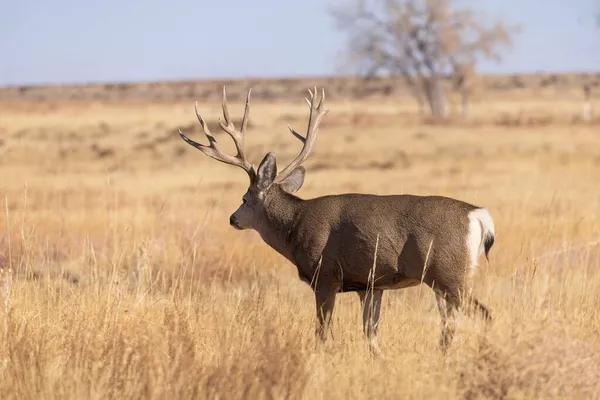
539,362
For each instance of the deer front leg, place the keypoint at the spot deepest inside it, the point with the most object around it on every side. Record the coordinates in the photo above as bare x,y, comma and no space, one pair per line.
370,301
325,301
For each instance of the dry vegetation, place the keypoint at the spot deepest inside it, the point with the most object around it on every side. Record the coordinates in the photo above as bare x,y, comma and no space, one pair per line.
122,279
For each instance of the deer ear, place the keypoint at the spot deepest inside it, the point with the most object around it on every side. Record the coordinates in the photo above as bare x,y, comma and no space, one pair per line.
267,171
293,182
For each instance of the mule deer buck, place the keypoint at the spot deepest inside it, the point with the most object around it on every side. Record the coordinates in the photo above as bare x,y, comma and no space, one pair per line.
362,243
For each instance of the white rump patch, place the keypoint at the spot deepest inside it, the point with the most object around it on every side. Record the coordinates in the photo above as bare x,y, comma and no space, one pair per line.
480,225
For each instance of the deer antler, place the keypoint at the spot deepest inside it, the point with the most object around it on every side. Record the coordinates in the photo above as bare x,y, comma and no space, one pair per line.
213,150
314,119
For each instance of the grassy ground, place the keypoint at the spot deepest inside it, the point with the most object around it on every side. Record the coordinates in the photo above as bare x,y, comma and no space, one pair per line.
122,278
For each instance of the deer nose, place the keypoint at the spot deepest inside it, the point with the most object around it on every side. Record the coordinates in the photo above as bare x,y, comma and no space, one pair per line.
232,221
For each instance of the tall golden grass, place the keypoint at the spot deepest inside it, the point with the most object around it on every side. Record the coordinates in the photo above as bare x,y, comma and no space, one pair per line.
122,279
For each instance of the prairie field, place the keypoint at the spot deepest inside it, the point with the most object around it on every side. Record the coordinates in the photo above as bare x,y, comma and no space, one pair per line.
121,277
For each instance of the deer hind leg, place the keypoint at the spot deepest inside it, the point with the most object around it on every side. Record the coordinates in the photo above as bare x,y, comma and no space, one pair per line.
447,307
370,301
483,310
471,305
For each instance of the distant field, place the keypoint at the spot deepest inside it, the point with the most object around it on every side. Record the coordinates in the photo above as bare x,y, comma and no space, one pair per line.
122,278
340,87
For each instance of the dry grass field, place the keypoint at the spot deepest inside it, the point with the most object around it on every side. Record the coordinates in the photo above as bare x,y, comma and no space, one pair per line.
121,277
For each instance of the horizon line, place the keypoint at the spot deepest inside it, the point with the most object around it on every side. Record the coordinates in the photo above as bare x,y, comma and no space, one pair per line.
270,77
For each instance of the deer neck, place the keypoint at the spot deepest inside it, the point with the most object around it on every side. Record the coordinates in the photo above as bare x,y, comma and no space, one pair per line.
279,221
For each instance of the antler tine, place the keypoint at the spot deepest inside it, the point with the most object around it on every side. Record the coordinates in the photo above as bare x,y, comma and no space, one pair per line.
213,150
314,119
246,112
296,134
229,127
225,108
322,97
203,123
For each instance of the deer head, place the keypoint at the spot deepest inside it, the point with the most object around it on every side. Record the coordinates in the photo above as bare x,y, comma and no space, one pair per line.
265,183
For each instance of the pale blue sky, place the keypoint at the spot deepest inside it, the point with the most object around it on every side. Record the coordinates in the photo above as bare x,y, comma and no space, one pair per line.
75,41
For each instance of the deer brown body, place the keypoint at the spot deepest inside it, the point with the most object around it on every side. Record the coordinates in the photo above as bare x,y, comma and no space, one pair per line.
360,243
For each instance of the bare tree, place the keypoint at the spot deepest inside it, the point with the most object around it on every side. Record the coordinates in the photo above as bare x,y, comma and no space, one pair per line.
463,81
423,41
